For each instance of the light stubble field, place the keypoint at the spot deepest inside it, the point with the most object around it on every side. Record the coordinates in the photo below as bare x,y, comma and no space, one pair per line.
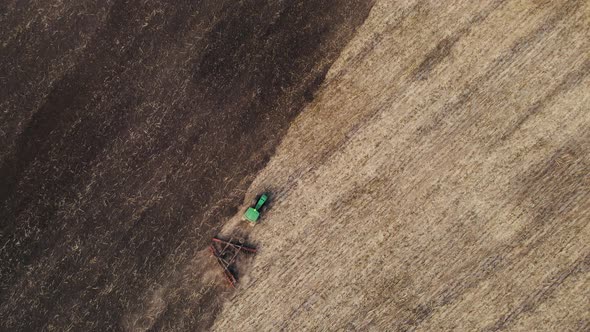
439,181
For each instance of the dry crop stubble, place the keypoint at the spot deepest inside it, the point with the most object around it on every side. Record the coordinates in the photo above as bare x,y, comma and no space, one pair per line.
439,181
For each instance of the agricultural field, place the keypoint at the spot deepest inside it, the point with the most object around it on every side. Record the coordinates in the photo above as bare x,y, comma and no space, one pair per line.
129,132
439,181
428,164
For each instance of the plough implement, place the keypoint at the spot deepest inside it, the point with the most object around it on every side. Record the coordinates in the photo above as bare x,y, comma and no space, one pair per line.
226,253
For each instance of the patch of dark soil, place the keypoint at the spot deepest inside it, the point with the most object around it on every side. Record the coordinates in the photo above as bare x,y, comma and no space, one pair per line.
129,132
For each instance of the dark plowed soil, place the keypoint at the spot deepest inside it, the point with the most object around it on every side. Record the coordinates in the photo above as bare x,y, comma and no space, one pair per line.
129,131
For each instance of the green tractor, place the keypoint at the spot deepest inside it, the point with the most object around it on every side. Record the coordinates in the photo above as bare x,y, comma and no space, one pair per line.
253,213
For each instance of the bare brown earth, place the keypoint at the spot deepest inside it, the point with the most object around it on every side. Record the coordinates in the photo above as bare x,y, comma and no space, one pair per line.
129,131
440,180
